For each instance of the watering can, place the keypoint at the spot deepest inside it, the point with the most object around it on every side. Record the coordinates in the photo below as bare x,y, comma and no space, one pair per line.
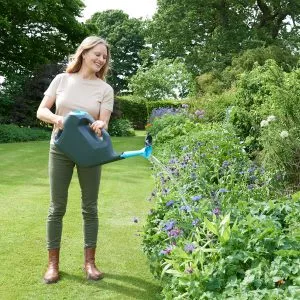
83,146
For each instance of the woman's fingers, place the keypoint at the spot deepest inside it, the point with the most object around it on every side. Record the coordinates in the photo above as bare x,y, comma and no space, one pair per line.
60,122
97,126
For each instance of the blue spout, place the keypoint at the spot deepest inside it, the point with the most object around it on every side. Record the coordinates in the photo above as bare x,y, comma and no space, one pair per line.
145,152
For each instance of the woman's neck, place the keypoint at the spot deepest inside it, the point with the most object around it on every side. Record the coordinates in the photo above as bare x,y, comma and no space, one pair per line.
86,74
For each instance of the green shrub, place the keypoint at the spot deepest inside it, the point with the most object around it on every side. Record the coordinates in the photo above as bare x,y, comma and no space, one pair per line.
120,127
171,124
13,133
220,227
264,92
137,110
215,106
133,109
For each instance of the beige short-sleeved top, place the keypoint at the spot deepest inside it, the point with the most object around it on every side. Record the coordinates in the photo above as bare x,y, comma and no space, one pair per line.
72,92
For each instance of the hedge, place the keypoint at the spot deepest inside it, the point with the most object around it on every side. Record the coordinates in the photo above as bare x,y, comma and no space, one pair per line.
137,110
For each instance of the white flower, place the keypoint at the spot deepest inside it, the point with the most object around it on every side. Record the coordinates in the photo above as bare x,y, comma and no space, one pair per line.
264,123
271,118
284,134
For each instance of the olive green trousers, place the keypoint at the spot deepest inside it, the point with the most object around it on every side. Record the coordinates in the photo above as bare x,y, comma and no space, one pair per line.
60,174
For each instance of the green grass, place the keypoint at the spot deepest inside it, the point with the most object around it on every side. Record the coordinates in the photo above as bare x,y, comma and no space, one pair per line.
24,199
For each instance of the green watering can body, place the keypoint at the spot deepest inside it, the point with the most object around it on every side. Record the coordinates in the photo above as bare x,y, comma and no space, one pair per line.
82,145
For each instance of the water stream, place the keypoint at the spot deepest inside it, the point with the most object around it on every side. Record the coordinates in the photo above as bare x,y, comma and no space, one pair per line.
153,159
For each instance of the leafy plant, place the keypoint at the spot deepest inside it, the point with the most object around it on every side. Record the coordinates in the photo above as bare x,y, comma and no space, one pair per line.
221,227
13,134
268,92
120,127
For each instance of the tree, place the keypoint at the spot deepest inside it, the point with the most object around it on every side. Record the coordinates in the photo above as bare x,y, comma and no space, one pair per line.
208,33
26,102
126,38
35,32
166,79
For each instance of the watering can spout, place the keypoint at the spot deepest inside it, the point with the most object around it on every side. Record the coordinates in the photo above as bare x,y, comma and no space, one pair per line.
145,152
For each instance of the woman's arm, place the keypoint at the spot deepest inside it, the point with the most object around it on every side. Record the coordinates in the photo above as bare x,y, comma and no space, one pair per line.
102,122
44,113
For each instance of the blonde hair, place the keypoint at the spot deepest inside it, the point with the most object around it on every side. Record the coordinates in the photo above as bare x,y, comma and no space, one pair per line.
75,61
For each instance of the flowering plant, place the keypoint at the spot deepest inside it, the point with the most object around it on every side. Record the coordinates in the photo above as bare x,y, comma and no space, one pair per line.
220,227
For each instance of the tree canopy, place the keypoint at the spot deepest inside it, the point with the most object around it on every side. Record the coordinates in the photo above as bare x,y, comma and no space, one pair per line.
126,38
35,32
166,79
208,33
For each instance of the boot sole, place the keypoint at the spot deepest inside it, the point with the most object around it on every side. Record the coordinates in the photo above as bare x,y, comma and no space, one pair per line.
91,278
94,279
50,281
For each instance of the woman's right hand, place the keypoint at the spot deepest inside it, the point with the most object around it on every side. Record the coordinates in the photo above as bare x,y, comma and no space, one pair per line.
59,122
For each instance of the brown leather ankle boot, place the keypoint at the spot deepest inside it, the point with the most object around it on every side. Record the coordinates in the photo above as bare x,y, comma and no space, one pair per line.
52,275
90,268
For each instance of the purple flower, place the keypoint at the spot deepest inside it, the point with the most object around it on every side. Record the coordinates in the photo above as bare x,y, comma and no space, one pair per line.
169,225
173,161
184,106
159,112
174,232
251,186
170,203
166,251
186,208
251,170
165,191
222,190
162,180
196,198
187,157
189,270
189,248
195,222
193,176
216,211
225,164
199,113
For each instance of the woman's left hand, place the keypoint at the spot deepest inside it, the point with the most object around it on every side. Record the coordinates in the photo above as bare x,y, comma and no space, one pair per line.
97,126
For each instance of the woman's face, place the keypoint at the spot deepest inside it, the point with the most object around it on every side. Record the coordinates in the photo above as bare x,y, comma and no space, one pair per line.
95,58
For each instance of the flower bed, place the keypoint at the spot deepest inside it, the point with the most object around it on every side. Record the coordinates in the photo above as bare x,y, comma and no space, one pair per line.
220,228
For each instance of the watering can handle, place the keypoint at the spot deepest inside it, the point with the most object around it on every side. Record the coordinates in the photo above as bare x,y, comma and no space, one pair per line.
89,119
105,134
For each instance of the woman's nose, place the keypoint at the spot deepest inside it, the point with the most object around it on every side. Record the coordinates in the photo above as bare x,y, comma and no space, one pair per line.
101,59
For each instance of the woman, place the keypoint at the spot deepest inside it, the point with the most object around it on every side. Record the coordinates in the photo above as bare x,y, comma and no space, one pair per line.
82,87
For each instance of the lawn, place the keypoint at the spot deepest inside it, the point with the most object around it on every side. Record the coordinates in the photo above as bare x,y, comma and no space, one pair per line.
24,197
